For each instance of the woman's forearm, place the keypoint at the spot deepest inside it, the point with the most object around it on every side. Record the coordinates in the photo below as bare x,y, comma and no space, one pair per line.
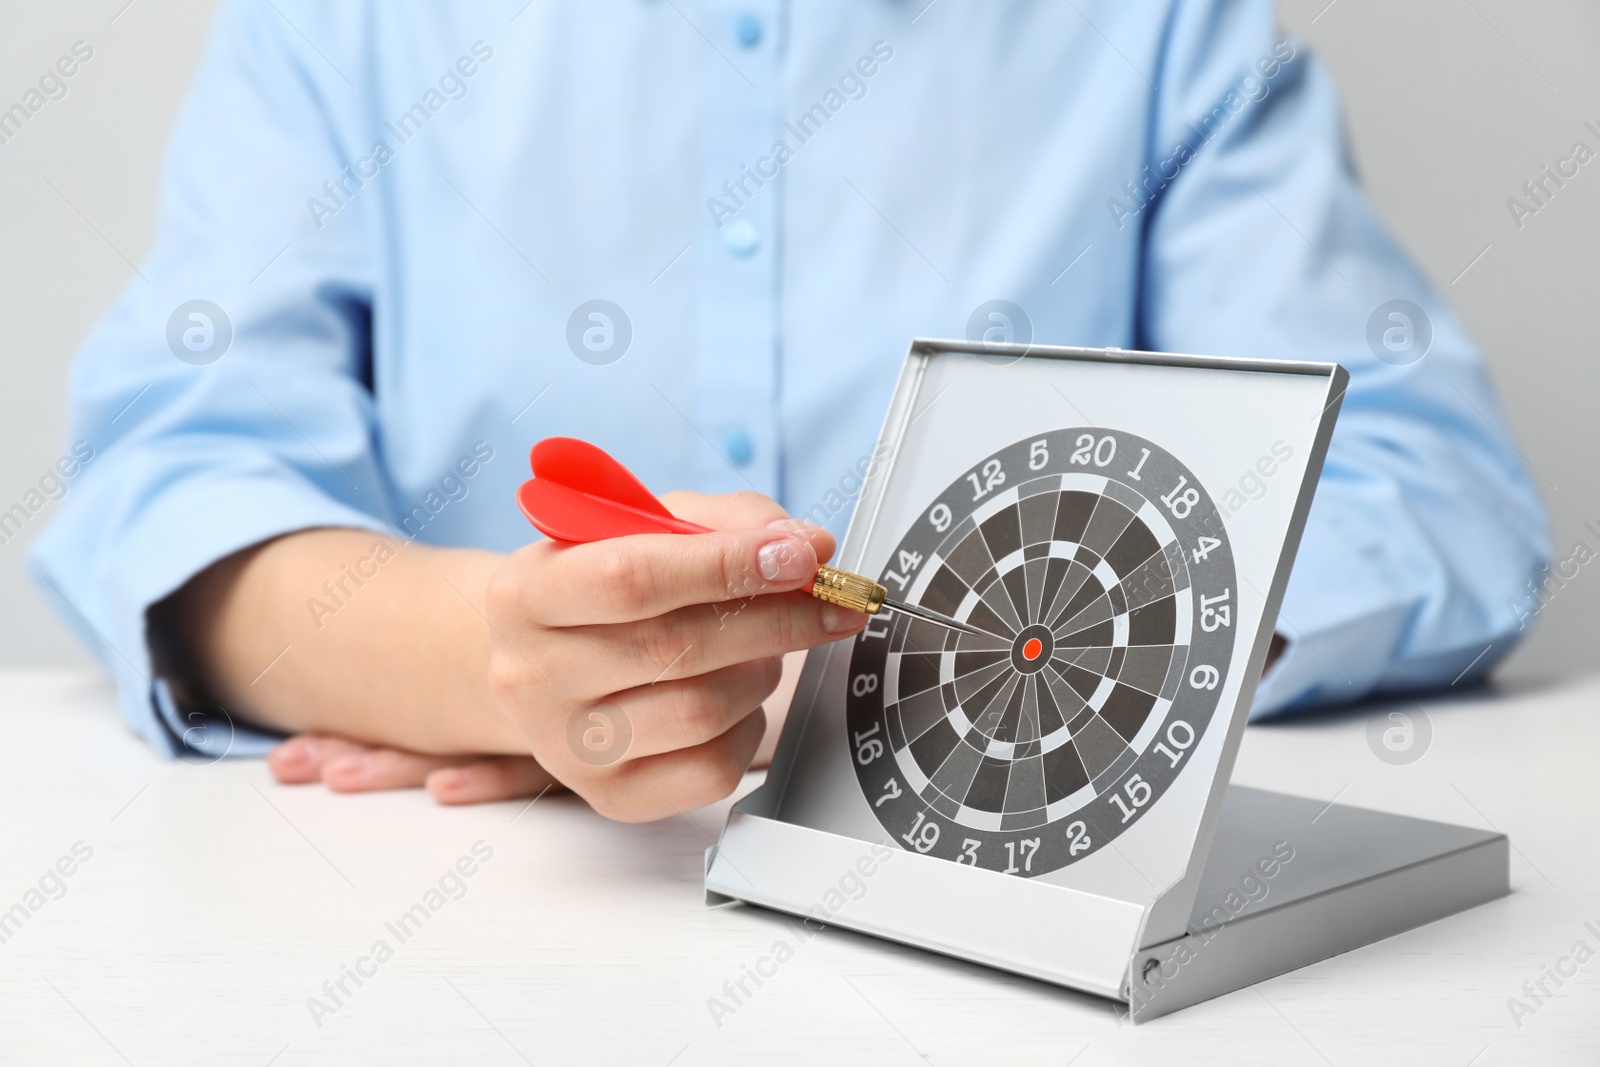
348,632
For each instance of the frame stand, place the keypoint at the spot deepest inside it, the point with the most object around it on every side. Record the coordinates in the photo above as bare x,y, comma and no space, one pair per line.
1288,881
1356,876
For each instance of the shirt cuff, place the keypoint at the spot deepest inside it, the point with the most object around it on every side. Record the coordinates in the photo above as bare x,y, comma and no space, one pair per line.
205,733
103,576
1343,617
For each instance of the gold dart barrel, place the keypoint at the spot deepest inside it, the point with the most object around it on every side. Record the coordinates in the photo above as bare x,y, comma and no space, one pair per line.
848,590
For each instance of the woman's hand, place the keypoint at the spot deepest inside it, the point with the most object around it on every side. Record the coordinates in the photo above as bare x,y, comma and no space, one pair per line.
635,668
352,767
346,766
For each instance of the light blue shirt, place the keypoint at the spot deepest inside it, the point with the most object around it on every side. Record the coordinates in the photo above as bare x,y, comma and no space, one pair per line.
405,210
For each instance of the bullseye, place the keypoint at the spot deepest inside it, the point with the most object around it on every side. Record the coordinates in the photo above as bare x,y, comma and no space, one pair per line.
1031,649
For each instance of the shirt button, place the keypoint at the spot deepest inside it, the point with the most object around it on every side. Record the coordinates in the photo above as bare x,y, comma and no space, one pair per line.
738,447
741,237
748,31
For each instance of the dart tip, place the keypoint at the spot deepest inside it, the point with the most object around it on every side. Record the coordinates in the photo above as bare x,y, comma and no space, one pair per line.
937,619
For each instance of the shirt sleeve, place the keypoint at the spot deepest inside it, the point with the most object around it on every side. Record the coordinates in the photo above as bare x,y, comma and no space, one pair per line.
208,434
1426,527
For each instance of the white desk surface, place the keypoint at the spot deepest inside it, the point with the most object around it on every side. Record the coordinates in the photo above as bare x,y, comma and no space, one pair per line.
215,903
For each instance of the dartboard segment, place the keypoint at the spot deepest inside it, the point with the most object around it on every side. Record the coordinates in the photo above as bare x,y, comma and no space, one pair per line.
1100,571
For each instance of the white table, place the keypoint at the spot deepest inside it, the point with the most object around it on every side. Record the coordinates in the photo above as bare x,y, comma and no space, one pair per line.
215,903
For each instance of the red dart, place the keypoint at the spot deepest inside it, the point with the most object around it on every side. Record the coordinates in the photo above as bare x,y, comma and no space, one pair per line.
578,493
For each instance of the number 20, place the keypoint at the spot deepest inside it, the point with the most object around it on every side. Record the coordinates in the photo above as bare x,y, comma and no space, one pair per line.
1102,452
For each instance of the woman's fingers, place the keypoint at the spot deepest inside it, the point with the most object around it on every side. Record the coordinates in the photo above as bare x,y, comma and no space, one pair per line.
626,579
658,787
384,768
351,767
672,715
300,759
491,780
600,660
672,637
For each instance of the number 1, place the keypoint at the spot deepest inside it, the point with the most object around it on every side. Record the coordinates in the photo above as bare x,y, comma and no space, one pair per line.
1137,467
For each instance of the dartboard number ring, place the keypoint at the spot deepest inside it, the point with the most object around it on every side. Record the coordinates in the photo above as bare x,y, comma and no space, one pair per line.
1101,571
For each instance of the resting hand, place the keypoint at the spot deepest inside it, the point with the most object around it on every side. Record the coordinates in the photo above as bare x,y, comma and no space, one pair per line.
347,766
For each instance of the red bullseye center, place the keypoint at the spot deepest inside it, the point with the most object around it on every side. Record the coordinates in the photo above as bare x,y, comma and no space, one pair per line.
1032,648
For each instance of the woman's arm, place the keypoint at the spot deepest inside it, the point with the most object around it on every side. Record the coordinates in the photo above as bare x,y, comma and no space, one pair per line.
669,643
343,631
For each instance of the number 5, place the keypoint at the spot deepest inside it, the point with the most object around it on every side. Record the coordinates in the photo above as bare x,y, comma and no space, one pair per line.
1038,456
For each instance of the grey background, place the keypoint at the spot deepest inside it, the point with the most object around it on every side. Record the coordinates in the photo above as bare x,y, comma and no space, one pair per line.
1452,105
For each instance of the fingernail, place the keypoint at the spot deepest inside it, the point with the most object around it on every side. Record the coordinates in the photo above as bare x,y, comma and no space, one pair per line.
293,753
837,620
355,766
786,560
448,779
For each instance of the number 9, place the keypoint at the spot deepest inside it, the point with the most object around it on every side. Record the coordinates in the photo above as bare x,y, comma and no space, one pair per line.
940,517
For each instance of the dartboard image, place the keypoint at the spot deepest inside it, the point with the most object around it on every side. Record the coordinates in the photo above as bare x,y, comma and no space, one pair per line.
1100,574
